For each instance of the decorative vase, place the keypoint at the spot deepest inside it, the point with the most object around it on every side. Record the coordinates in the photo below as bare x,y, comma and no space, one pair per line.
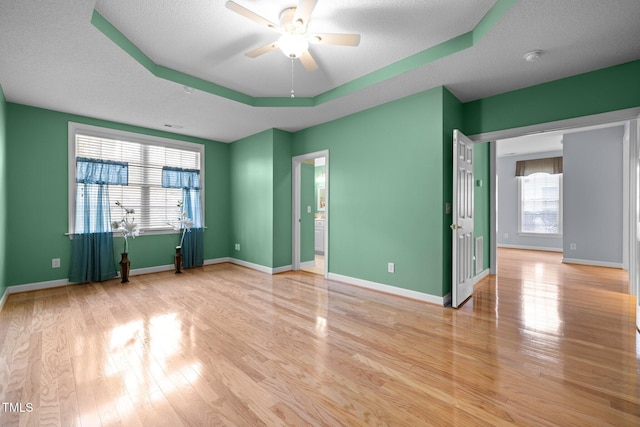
125,264
177,260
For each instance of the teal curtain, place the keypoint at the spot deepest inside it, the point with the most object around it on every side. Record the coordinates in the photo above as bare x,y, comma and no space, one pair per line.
92,242
189,181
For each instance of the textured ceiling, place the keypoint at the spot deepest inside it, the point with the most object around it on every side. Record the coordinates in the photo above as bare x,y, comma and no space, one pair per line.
51,56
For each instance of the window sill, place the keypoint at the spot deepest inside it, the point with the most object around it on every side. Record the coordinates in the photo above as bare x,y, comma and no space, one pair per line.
142,232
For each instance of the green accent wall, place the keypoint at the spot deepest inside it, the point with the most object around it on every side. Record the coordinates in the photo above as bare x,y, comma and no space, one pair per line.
3,192
601,91
37,183
252,198
282,198
261,198
386,191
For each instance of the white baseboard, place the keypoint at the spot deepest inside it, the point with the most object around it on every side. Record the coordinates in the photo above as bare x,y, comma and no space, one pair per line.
590,262
530,248
147,270
307,264
5,294
481,276
389,289
259,267
216,261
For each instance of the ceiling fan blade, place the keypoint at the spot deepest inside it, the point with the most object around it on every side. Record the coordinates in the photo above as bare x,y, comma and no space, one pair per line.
241,10
337,39
261,50
308,62
304,10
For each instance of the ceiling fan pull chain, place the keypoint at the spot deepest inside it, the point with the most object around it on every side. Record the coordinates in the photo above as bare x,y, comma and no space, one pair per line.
293,95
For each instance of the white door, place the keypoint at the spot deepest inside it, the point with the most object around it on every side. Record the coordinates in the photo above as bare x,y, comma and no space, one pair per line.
462,226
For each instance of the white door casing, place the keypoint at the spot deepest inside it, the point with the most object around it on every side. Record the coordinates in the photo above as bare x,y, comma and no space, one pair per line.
296,208
462,226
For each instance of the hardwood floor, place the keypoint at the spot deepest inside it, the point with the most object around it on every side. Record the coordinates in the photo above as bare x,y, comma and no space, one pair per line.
544,344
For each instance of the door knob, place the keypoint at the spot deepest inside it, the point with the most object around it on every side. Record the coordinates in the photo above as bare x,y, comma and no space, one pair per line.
455,226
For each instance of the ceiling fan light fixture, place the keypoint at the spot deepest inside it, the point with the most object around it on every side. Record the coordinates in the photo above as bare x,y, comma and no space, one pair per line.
293,45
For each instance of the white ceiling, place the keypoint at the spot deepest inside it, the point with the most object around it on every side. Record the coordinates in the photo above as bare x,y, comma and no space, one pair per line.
51,56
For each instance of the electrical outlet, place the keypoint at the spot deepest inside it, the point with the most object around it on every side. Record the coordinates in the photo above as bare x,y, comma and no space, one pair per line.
391,267
55,263
572,246
237,246
506,235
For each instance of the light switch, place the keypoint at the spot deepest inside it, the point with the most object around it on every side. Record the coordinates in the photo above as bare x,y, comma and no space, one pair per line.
308,209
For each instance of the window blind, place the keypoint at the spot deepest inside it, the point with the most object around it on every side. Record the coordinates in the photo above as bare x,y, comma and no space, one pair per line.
155,207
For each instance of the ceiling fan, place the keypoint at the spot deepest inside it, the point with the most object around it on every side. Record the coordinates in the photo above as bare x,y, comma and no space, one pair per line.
294,40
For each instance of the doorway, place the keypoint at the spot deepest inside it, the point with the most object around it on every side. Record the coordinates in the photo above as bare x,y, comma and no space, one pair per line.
310,201
631,190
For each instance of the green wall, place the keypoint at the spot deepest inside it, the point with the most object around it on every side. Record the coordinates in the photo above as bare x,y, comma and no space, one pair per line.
482,200
452,119
608,89
282,193
3,192
252,198
390,176
37,183
386,191
261,198
307,221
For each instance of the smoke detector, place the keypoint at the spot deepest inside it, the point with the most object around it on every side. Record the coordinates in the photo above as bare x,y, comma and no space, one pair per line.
533,56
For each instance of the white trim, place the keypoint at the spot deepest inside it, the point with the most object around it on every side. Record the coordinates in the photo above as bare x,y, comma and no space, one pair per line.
594,120
295,208
260,268
148,270
590,262
5,295
388,289
307,264
481,276
493,206
282,269
38,286
216,261
529,248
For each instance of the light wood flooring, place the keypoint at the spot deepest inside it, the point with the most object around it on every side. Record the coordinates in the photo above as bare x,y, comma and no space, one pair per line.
318,268
544,344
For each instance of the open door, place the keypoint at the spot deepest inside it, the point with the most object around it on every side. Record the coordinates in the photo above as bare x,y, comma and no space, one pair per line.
462,226
303,213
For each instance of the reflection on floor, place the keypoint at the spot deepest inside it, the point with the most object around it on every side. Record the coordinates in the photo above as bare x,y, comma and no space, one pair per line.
319,267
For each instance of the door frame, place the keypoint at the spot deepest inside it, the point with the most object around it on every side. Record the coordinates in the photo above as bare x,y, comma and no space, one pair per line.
295,207
631,115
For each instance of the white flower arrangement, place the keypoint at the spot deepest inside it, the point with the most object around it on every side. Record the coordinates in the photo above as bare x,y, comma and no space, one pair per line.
184,223
127,226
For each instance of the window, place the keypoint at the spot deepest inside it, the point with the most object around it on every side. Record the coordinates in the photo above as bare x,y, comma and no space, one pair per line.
155,206
541,204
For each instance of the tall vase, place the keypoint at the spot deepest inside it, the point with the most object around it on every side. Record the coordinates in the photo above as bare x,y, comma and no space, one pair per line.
177,260
125,265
